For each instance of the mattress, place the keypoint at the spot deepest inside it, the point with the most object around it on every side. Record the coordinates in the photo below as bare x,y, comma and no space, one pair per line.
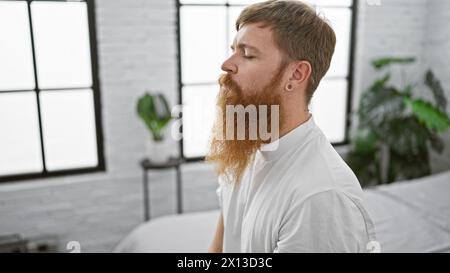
412,216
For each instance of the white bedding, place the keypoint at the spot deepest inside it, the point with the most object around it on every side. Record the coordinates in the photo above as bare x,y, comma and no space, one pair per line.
410,216
190,232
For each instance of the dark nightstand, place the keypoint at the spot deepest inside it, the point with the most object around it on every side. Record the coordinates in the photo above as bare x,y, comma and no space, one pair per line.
147,165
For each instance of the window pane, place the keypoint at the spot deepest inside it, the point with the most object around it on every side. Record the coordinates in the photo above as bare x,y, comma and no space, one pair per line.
203,1
61,36
20,147
243,2
203,43
16,65
340,3
199,112
329,106
340,20
232,17
69,129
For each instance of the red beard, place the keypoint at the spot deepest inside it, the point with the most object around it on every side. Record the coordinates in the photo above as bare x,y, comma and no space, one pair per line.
232,156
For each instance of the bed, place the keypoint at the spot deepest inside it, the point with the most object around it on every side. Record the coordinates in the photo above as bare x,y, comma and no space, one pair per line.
410,216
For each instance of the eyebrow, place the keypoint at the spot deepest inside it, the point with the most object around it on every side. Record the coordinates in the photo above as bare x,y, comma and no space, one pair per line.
243,45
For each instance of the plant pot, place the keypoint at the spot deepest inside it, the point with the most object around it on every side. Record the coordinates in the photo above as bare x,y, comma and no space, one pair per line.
158,151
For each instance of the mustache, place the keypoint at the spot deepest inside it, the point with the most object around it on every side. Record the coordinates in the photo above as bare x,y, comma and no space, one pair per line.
228,85
226,80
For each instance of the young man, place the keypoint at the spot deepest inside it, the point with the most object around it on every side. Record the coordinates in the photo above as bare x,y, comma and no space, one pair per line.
293,193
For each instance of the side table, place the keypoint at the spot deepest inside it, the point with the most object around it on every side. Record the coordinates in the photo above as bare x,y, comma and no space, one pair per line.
148,165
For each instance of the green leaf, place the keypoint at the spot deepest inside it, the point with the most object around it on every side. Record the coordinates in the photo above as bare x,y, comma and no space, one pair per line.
427,114
380,83
405,135
363,157
436,143
407,91
386,61
376,109
154,110
412,166
365,141
436,88
161,107
364,166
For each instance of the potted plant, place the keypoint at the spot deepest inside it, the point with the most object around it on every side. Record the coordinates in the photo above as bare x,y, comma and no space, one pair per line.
154,110
396,129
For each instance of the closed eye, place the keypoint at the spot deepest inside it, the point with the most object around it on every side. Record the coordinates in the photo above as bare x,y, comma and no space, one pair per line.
243,51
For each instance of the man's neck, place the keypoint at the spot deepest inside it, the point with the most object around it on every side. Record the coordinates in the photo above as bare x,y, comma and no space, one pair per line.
293,121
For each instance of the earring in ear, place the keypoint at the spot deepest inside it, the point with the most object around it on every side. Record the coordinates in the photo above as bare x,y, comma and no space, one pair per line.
289,87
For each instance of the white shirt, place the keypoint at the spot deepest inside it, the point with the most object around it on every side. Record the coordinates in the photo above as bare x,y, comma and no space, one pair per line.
300,197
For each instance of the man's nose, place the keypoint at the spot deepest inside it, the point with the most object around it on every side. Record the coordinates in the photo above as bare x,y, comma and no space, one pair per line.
229,67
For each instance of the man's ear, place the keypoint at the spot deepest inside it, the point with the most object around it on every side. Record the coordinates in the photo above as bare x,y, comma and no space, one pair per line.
300,73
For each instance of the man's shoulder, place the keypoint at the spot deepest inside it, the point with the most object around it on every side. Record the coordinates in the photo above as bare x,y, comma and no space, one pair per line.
320,165
327,195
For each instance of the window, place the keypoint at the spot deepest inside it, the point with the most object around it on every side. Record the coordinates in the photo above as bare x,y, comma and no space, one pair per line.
49,92
207,29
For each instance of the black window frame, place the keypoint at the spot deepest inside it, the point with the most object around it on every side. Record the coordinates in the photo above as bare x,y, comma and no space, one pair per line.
101,166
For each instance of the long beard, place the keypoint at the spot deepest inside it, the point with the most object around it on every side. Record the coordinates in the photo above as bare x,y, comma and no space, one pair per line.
232,156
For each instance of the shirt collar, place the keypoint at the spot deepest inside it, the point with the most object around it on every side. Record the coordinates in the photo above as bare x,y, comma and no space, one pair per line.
275,149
